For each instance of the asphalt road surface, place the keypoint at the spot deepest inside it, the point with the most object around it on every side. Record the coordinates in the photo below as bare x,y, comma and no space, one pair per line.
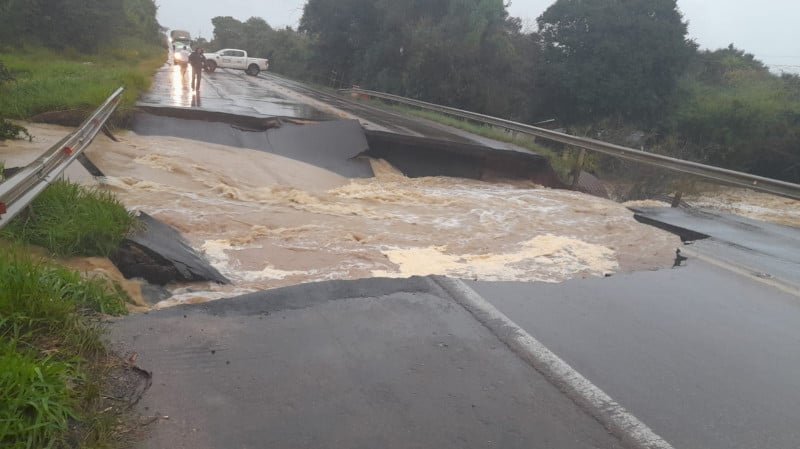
268,95
365,364
767,250
705,356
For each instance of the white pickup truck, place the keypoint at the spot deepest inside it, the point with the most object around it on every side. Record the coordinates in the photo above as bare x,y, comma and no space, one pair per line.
230,58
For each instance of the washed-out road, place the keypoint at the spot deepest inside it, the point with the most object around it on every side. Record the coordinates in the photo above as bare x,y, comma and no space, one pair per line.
703,356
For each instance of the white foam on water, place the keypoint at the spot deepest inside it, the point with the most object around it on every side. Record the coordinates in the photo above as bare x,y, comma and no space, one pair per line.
546,258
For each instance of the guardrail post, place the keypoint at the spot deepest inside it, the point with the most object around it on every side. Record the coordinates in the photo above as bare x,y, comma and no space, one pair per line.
578,167
676,200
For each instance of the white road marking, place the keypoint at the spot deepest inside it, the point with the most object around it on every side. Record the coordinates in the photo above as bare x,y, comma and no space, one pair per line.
621,423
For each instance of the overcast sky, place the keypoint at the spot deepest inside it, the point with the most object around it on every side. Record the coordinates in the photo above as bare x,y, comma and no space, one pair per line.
766,28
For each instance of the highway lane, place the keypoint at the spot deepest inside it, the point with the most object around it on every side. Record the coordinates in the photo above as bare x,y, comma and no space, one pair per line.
708,358
268,95
345,364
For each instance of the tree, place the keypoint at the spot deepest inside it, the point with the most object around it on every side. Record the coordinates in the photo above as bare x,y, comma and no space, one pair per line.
85,25
464,53
612,57
341,31
228,32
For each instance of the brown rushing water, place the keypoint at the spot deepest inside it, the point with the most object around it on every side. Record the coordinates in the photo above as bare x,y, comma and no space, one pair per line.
266,221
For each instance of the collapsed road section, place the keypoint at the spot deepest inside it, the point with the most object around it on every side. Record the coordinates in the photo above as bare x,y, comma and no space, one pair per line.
300,202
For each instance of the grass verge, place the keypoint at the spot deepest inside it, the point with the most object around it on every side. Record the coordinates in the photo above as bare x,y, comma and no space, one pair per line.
52,358
70,220
48,81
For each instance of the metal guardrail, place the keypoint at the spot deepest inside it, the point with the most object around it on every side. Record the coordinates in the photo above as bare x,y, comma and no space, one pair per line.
773,186
18,191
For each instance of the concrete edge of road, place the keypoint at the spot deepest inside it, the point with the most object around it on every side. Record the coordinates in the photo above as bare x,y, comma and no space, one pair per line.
616,419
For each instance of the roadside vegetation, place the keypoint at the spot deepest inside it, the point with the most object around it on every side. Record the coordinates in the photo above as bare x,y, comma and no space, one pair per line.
52,358
70,56
71,220
606,69
55,371
53,362
9,130
48,80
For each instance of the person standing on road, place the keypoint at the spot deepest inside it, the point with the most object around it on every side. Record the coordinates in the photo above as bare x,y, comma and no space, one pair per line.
197,60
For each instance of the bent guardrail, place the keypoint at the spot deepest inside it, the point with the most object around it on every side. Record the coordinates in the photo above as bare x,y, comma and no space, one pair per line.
732,177
18,191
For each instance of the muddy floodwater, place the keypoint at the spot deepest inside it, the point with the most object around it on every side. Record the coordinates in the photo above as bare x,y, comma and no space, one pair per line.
266,221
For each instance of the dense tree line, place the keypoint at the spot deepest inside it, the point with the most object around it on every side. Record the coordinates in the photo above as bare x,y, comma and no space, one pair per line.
466,53
583,64
83,25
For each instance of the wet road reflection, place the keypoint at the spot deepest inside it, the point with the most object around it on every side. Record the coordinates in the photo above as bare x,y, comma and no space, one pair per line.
180,89
226,91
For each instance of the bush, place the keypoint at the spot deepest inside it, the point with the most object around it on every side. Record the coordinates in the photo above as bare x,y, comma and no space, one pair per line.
70,220
734,113
9,130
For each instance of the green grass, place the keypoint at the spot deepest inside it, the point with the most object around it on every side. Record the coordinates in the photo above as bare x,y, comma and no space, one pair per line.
53,362
48,81
70,220
52,357
37,403
39,299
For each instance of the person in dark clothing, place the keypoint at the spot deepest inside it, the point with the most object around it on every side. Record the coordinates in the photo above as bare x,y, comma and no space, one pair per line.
197,60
